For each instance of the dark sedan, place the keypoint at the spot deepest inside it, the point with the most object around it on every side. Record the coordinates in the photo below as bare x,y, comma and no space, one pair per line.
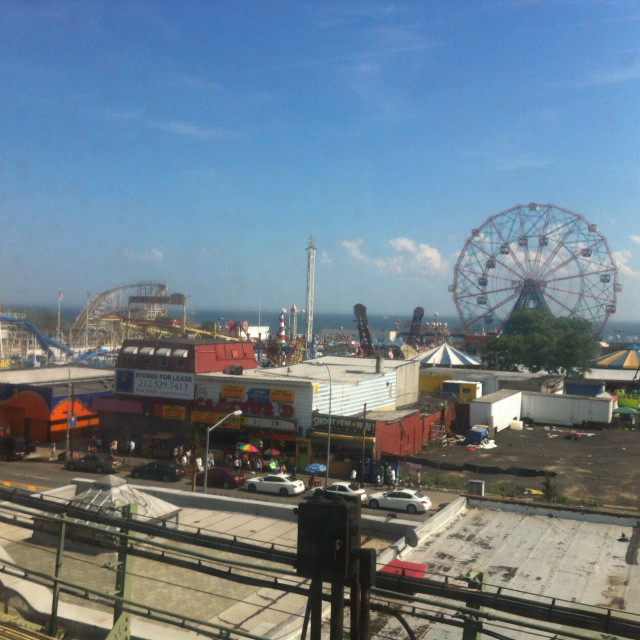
221,477
158,470
96,462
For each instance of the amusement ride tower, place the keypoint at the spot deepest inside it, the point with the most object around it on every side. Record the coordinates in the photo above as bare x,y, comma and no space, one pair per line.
311,274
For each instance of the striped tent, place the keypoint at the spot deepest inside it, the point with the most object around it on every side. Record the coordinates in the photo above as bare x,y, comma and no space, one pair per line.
628,358
447,356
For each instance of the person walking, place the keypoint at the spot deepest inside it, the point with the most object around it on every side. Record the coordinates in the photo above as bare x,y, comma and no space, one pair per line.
391,475
52,451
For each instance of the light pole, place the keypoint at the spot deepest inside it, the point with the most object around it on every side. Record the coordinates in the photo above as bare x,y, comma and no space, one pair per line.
326,479
237,412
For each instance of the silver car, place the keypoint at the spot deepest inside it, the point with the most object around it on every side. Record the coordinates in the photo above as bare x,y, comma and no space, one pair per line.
408,500
278,483
344,489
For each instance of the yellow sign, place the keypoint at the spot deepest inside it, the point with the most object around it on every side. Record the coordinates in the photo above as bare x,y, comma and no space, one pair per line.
282,395
174,412
209,417
233,391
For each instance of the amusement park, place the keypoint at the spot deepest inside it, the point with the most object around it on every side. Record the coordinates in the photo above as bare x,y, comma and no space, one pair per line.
535,256
299,414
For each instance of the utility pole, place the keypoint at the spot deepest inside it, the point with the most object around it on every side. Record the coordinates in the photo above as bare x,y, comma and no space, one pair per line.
364,440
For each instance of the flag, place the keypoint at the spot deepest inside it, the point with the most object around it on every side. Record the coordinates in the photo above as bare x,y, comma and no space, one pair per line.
60,296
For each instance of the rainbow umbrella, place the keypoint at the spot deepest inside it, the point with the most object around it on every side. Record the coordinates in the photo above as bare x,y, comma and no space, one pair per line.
272,452
248,448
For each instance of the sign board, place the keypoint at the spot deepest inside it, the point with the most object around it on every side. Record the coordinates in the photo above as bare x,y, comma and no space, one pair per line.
159,384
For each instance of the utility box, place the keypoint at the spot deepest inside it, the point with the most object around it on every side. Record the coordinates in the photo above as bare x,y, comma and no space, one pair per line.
328,539
476,487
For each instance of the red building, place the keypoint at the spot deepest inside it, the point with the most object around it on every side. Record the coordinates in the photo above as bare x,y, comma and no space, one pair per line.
155,384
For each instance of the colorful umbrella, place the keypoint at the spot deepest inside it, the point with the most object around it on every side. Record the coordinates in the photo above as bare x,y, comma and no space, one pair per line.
315,467
248,448
272,452
628,358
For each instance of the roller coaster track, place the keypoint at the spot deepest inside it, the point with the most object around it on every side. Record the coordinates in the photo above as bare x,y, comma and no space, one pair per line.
115,301
166,327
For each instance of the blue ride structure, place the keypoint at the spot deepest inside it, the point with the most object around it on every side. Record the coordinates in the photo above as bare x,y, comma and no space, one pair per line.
46,343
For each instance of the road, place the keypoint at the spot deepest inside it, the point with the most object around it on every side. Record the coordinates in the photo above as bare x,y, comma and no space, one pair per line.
39,474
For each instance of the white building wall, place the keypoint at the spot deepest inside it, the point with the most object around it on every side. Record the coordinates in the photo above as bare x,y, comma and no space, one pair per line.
348,399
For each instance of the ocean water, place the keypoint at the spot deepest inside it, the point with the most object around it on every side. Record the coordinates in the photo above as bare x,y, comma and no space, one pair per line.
613,332
346,321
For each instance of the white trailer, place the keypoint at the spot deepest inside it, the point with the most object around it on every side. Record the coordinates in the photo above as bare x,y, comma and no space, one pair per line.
566,410
496,410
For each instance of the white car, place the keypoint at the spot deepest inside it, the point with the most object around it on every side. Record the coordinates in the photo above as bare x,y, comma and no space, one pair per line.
278,483
344,489
407,500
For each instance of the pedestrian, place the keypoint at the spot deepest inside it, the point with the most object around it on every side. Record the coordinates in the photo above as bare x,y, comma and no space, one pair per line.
258,465
378,480
52,451
354,475
381,476
132,446
391,475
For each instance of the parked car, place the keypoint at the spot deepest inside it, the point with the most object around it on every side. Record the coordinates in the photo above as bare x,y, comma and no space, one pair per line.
14,448
408,500
278,483
96,462
343,489
158,470
221,477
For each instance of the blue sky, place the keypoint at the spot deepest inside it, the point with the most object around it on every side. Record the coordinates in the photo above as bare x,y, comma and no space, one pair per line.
201,144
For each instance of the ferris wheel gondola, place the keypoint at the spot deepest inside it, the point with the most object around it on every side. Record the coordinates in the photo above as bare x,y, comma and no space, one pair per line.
534,256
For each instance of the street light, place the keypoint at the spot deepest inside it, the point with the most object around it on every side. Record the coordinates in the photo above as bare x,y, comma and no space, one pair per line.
237,412
326,479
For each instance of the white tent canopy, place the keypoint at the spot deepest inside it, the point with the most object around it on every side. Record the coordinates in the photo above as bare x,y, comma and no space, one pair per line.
446,355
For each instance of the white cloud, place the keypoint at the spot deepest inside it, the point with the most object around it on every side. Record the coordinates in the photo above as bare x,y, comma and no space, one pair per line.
325,258
153,255
191,131
411,258
615,76
635,239
622,259
353,247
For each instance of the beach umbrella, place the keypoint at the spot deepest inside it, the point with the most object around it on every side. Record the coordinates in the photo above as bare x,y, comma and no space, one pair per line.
628,358
272,452
447,356
248,448
315,467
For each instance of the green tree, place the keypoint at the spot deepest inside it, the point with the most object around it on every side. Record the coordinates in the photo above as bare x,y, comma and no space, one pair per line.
549,488
539,341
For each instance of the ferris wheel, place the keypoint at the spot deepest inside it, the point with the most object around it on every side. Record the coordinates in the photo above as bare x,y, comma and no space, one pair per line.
534,256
